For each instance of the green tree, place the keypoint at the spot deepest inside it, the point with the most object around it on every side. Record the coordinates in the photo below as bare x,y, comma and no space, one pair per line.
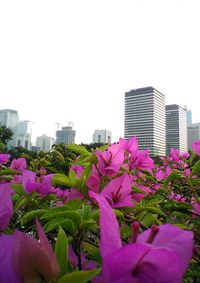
6,135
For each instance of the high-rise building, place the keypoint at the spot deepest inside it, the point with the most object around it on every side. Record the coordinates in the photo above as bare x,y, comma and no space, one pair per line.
102,136
9,118
21,136
176,128
189,117
145,119
193,133
66,135
44,142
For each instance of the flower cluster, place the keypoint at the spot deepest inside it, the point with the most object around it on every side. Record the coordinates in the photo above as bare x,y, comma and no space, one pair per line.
118,215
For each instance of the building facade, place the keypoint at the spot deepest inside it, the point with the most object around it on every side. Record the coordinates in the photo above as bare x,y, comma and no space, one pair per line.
189,117
66,135
21,136
102,136
176,128
145,119
44,142
9,118
193,133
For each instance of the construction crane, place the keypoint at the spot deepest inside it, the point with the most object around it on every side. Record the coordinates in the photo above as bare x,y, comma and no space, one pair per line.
58,124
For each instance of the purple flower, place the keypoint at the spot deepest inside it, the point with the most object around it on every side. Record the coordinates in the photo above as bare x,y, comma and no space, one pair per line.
93,181
196,207
158,255
118,192
140,160
6,206
4,157
130,145
111,160
7,271
25,260
162,173
139,196
18,164
196,147
78,169
177,197
32,183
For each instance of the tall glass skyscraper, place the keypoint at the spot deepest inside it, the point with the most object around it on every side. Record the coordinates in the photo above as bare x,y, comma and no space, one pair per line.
176,128
145,119
9,118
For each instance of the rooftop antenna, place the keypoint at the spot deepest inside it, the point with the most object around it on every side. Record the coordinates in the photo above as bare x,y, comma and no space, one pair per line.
58,124
71,124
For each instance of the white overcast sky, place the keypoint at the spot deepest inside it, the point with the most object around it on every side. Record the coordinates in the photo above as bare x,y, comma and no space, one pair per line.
72,61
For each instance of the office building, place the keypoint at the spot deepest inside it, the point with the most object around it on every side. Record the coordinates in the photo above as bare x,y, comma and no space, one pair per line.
101,136
9,118
193,134
44,142
66,135
176,128
188,115
21,136
145,119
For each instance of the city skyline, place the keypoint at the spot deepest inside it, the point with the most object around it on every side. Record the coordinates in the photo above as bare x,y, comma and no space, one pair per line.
73,61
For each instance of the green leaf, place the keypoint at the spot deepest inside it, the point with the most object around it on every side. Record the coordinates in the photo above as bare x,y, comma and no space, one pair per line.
74,204
8,171
72,215
29,216
149,219
61,251
18,189
79,276
88,225
66,224
196,168
62,180
78,149
21,202
173,176
85,212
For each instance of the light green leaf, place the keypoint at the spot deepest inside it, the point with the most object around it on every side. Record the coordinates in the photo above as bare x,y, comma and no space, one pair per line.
61,251
79,276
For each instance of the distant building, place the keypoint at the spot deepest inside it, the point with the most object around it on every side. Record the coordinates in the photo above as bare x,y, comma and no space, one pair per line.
9,118
66,135
193,133
102,136
145,119
189,117
21,136
44,142
176,128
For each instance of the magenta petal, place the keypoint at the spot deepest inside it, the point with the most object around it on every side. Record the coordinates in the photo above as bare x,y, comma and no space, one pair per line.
119,191
7,272
4,157
160,266
196,147
47,249
6,206
28,181
122,262
18,164
174,238
110,235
